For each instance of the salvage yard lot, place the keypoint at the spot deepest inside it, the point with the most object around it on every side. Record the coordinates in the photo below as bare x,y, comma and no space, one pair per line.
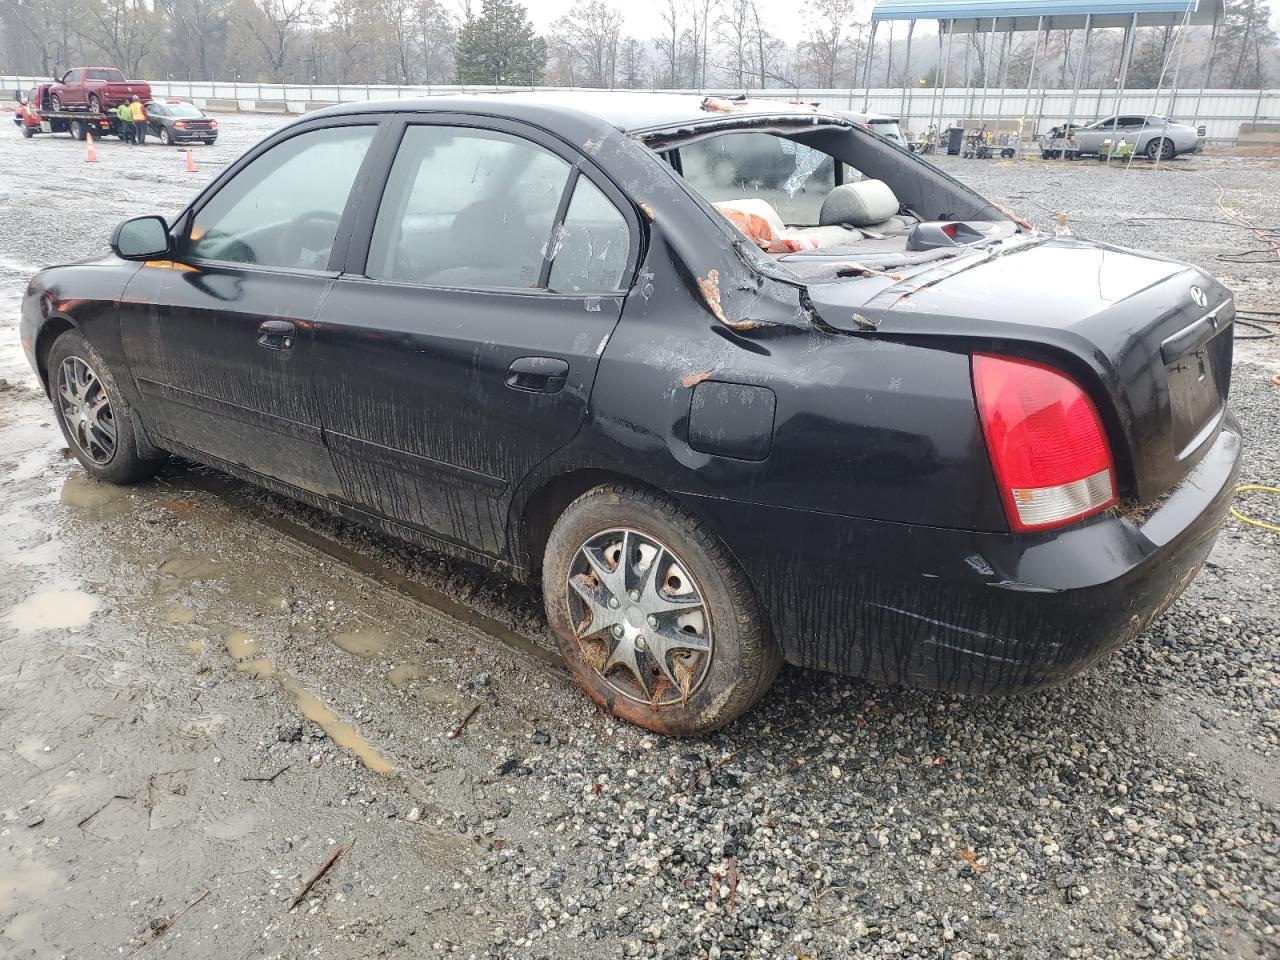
204,687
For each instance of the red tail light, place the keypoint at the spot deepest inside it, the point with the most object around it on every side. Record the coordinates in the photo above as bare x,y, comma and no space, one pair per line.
1047,446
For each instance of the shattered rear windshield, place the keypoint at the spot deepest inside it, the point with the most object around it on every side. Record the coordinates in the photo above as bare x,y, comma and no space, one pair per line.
792,177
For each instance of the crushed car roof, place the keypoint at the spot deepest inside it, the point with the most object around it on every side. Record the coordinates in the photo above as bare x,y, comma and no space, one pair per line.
629,111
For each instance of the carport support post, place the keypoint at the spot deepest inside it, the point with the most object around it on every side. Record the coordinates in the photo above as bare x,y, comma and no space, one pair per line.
1208,72
866,67
1075,91
986,73
968,53
906,71
1005,49
1031,79
941,81
1124,76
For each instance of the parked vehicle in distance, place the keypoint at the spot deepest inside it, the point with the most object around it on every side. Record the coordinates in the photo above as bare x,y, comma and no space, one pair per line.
1060,141
727,415
96,89
1152,137
35,115
176,121
887,126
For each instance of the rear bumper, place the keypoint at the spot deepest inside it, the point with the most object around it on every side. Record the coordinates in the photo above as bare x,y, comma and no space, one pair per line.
974,612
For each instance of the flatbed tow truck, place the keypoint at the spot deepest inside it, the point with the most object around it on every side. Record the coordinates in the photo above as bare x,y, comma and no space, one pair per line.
32,117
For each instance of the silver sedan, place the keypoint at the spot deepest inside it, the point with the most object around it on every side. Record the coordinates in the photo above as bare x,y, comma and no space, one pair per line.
1155,137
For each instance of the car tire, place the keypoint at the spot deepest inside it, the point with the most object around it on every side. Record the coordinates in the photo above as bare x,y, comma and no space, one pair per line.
95,105
77,129
165,139
114,462
55,103
1161,149
718,653
27,132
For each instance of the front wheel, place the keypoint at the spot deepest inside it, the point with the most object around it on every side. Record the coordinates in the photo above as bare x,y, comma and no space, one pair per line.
165,139
27,132
1161,149
654,617
92,414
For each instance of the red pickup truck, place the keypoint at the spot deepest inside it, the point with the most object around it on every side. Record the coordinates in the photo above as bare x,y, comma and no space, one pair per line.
96,89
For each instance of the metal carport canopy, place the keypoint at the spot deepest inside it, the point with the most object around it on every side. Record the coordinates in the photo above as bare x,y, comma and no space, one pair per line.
966,16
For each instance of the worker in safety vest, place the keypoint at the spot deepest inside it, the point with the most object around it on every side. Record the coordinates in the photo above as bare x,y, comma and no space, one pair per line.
125,116
139,116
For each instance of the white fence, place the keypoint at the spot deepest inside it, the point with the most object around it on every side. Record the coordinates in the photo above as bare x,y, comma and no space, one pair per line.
1220,111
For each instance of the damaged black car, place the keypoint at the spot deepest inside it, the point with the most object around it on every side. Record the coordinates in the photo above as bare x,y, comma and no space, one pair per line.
737,382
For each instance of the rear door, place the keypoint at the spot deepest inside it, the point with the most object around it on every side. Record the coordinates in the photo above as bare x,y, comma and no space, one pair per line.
218,338
460,349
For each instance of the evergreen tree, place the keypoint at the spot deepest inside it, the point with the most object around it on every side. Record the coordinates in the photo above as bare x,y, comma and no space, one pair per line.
499,46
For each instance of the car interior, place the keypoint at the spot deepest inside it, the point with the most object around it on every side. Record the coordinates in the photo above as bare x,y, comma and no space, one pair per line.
800,203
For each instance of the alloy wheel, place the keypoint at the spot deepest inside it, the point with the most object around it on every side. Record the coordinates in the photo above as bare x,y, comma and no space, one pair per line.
86,410
640,618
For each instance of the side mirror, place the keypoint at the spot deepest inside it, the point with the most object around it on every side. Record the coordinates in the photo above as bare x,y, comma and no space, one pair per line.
142,238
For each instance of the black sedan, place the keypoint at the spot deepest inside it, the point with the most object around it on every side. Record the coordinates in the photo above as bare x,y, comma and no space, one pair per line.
727,410
176,121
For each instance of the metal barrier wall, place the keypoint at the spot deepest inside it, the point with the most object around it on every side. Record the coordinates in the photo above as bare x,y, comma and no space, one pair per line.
1220,111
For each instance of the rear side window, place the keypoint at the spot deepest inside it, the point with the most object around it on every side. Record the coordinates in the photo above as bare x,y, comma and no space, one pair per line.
283,209
467,208
792,177
590,248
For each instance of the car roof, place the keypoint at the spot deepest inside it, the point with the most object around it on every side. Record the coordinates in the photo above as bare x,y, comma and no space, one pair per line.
628,110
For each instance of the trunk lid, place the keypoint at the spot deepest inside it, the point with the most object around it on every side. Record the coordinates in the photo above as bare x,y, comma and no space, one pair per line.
1150,339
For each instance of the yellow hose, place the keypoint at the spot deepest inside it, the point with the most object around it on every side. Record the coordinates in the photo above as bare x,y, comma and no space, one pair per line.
1244,487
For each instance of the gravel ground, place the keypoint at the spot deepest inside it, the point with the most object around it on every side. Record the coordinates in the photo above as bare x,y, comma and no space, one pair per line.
1133,812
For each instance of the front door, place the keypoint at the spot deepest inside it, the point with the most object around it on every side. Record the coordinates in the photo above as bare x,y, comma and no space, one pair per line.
218,339
461,349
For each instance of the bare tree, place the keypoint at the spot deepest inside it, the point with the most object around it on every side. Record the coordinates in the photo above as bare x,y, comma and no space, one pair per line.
279,23
400,29
633,64
588,37
436,34
122,29
668,43
200,24
825,46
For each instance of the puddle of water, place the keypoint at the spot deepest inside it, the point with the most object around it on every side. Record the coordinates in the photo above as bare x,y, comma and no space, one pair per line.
192,568
53,610
404,674
180,614
195,647
31,879
241,646
363,643
259,669
81,490
339,731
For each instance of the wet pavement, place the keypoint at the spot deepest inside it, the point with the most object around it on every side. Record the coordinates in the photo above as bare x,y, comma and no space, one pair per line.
205,687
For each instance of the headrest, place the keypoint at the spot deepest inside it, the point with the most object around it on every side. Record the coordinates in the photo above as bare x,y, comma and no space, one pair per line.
860,204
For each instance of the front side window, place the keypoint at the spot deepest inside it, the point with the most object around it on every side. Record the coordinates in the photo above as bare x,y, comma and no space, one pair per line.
790,176
467,207
283,209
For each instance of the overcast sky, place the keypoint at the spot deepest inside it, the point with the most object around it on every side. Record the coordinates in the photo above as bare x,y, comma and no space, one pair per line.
785,18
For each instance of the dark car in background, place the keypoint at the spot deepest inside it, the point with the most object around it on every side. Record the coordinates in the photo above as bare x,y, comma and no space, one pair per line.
727,410
176,121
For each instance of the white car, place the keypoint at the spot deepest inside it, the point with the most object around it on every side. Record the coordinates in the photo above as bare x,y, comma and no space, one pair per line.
880,123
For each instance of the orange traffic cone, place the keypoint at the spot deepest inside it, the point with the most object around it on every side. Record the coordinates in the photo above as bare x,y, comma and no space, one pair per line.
91,155
191,162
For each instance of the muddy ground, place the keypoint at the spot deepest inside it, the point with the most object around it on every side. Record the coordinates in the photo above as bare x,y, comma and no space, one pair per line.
205,690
